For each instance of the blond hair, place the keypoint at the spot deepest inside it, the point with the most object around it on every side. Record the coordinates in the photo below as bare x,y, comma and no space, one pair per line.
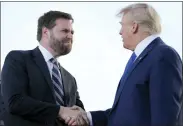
144,15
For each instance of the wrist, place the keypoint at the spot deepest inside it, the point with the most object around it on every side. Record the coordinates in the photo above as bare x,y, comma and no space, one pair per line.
61,111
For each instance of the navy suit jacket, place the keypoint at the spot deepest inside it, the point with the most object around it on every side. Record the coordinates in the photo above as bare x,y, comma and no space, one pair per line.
28,93
151,94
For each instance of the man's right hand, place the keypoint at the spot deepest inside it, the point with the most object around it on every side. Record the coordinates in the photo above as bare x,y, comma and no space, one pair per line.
81,120
73,116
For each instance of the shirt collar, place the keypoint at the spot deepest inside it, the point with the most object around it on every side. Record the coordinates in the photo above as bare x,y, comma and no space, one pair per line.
144,43
46,54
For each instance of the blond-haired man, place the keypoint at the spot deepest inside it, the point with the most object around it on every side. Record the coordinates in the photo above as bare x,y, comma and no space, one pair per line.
150,90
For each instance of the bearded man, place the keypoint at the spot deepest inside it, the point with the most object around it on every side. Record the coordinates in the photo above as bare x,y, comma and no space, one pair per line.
36,89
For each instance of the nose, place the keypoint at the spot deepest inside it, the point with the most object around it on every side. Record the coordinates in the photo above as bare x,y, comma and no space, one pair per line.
69,35
120,32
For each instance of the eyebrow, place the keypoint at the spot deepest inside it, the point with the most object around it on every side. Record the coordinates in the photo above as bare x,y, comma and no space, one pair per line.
67,30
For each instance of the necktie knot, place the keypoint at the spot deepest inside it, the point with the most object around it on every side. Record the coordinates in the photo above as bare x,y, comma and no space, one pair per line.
133,57
130,62
53,60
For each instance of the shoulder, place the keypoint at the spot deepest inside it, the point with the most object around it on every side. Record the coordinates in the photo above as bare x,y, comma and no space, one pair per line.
167,54
17,55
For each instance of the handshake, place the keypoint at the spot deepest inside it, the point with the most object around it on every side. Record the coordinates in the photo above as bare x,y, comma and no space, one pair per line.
73,116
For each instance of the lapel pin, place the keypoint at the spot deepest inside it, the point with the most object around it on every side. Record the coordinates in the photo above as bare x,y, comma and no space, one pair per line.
140,58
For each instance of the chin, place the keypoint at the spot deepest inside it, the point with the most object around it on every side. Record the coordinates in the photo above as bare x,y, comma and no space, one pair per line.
66,51
125,46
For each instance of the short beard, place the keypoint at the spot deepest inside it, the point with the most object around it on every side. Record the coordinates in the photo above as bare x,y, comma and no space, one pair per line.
59,46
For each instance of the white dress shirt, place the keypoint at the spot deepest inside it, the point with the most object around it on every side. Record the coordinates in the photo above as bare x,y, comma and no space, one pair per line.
138,50
143,44
47,56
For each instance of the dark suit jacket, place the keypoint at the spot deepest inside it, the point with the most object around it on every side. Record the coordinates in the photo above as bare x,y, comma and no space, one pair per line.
151,93
28,91
2,108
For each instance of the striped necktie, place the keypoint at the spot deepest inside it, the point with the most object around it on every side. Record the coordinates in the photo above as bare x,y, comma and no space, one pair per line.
57,83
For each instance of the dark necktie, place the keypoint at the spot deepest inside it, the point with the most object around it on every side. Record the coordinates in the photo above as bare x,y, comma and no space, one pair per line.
130,62
128,65
57,83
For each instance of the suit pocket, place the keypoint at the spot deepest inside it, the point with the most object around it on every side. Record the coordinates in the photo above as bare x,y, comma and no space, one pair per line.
142,88
142,83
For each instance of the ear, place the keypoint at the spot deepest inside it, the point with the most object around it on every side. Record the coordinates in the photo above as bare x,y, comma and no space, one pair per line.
45,32
134,27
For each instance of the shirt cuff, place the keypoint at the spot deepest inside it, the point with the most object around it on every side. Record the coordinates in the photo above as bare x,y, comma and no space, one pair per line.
89,118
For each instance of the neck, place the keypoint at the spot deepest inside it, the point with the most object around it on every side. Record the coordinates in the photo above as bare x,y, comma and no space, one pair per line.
139,37
48,48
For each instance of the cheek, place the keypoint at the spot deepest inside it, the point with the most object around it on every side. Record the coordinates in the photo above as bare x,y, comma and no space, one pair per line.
59,37
124,32
127,33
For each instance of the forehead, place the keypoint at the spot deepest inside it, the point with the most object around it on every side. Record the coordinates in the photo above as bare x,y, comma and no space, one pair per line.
64,23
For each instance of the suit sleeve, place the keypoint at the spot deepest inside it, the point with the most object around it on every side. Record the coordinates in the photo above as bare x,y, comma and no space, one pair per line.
15,92
166,89
100,118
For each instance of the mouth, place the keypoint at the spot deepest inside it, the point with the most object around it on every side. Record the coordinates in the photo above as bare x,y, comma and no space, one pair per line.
67,43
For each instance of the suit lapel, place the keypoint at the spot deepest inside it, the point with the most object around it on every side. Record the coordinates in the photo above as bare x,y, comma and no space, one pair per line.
40,61
137,61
